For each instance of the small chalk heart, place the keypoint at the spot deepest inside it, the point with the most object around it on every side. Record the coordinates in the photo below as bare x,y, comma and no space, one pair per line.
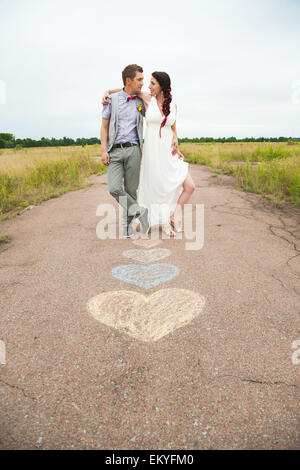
147,256
145,276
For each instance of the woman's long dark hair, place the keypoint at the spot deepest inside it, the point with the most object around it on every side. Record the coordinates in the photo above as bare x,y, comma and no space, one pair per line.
165,83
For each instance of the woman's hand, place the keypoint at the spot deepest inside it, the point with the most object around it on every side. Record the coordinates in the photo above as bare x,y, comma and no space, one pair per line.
104,98
175,148
107,95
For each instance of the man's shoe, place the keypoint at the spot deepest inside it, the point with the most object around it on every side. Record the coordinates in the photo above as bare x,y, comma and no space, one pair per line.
144,220
127,231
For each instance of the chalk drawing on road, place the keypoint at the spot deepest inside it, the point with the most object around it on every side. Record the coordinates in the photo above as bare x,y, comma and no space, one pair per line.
147,256
146,243
146,318
145,276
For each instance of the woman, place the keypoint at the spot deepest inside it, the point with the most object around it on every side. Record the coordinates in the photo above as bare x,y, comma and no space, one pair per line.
165,184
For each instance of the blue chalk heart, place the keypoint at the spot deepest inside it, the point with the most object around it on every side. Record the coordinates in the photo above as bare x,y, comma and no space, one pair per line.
145,276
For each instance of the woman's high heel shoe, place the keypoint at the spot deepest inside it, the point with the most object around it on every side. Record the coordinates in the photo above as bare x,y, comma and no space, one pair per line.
167,229
177,227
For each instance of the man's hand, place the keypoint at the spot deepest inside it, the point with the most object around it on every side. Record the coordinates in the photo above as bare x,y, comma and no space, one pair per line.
175,148
105,158
104,99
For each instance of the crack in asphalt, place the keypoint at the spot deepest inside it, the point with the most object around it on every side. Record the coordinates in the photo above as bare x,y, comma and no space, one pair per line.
18,388
258,381
271,227
279,280
262,206
295,272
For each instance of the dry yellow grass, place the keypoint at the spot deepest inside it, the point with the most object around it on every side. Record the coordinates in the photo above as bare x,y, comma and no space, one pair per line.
29,176
271,169
17,161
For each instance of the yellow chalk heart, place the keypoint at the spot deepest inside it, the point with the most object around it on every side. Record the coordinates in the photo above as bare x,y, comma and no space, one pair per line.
146,318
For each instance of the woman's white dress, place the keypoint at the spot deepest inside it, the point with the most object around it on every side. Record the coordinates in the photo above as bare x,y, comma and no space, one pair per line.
161,174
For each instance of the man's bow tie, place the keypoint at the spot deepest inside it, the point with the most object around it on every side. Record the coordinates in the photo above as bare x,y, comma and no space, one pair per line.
133,97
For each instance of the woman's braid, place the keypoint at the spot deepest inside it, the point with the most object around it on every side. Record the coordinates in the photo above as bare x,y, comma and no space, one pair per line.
165,83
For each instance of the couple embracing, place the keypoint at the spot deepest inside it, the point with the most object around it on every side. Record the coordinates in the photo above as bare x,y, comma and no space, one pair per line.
157,172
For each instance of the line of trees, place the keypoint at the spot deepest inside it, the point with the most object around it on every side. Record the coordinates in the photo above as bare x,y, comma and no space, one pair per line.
9,141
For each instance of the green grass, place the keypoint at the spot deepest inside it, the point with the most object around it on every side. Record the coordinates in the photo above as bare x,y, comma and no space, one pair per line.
4,239
272,170
34,175
29,176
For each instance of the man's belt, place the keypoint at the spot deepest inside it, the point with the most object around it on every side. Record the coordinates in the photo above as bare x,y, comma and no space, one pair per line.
122,145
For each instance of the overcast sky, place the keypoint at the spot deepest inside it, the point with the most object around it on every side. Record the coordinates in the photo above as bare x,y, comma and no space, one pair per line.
234,64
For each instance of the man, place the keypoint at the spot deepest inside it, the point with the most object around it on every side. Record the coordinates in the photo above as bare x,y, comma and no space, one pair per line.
121,139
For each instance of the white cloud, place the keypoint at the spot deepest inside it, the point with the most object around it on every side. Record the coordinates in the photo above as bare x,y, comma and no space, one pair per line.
232,63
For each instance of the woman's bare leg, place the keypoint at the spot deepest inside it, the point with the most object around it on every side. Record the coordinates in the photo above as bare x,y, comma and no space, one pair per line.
188,189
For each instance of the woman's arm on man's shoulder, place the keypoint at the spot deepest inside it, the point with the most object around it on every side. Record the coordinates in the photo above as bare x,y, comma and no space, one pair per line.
107,94
146,97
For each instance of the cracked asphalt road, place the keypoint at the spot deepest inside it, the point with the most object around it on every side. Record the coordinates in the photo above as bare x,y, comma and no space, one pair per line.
224,381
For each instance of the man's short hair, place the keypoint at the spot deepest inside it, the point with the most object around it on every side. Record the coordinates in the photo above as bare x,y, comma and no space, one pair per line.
130,72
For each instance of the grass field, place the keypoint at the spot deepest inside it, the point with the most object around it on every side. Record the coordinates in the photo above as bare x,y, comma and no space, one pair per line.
29,176
269,169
